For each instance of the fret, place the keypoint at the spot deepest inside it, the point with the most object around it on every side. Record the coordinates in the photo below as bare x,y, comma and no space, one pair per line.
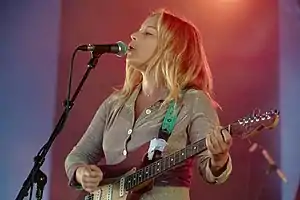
159,162
163,167
152,170
172,160
134,181
128,182
194,148
189,151
198,147
182,155
177,157
143,174
157,167
131,181
147,175
139,176
202,145
167,159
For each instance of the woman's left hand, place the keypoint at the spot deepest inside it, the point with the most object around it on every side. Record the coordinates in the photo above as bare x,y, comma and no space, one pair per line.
218,144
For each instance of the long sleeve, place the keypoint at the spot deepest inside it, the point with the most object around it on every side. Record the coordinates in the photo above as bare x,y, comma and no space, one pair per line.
89,148
204,119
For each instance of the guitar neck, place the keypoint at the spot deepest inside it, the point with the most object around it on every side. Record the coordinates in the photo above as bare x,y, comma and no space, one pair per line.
242,128
164,164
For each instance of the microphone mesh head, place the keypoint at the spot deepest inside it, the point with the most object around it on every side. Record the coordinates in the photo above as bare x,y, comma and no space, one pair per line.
122,49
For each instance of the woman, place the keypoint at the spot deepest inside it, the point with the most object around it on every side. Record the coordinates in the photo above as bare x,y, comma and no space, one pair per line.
165,62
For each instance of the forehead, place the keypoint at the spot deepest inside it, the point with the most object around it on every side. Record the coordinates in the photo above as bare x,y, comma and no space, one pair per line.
151,21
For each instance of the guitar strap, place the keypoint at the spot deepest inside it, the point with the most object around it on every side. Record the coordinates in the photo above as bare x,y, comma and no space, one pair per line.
157,145
169,122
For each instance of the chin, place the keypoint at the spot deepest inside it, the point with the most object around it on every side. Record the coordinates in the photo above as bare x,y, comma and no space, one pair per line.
135,64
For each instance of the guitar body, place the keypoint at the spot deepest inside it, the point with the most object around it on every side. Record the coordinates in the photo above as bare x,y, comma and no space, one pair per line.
105,192
112,188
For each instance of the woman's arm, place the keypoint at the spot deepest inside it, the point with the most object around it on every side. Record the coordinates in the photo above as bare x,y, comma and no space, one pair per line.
89,148
204,121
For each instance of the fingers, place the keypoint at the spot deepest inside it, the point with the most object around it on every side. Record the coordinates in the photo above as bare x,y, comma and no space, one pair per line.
222,136
219,141
90,184
88,179
95,168
90,187
92,174
210,145
93,171
226,136
91,177
215,145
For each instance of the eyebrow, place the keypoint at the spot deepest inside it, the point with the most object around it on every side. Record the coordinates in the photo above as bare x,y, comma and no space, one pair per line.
153,27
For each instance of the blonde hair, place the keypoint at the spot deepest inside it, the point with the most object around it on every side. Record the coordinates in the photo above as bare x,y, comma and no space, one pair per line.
179,61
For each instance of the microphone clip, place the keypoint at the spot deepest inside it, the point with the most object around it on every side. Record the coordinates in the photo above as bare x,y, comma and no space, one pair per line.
94,59
40,179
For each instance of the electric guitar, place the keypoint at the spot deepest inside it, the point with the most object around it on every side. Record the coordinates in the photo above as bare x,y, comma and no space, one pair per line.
133,184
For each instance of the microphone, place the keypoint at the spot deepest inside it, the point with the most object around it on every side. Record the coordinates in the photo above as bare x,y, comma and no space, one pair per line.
119,48
269,159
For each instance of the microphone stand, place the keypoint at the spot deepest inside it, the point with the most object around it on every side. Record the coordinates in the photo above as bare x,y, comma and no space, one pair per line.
272,166
36,175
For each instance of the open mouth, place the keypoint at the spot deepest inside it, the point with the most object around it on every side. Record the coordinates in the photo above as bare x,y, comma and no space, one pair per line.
130,47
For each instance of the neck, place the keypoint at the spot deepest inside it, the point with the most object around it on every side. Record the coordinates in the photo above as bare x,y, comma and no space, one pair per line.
150,87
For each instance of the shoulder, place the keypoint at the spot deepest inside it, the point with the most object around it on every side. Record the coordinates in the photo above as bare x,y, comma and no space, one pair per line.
108,103
199,103
111,99
197,97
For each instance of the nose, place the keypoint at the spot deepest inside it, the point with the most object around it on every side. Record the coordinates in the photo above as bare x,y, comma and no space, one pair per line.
133,36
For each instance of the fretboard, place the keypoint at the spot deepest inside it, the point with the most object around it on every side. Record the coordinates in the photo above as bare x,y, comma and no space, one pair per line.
166,163
157,167
242,127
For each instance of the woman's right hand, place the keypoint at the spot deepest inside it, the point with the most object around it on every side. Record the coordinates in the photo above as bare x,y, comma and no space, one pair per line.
89,176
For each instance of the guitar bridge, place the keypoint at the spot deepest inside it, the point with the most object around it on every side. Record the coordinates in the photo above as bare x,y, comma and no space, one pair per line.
94,196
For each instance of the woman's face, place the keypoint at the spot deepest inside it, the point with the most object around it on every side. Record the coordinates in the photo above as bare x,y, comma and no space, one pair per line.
143,44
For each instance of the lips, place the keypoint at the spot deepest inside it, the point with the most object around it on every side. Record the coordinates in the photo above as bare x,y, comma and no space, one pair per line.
131,47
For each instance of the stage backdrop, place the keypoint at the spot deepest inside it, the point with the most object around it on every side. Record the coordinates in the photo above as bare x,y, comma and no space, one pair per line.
290,95
253,49
29,35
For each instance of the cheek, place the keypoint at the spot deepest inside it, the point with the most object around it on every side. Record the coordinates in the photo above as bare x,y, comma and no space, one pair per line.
150,50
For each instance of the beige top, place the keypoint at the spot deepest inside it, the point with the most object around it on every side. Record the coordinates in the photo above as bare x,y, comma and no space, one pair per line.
114,133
